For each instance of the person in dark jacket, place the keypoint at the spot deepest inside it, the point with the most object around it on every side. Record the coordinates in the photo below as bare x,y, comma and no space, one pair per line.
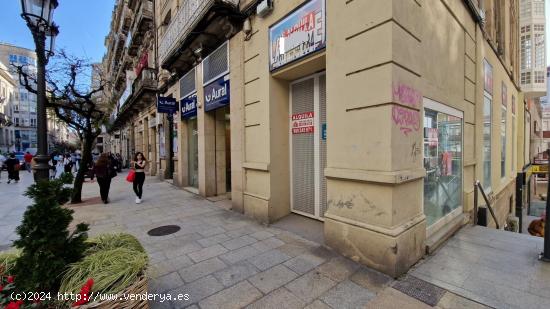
12,163
103,170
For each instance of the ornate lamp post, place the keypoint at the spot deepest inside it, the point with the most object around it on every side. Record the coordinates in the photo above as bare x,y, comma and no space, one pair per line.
38,15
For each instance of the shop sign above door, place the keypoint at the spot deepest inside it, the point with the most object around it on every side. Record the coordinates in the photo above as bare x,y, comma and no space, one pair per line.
300,33
167,105
216,94
188,106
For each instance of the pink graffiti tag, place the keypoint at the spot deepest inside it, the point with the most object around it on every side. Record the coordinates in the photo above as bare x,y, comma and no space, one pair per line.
407,119
406,95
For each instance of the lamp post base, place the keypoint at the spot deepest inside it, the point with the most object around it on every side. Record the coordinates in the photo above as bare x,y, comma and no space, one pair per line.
41,167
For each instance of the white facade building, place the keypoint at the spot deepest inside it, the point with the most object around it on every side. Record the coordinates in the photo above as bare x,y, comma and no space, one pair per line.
7,97
532,24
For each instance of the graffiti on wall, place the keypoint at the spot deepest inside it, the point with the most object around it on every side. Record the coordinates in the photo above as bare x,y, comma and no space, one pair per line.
406,117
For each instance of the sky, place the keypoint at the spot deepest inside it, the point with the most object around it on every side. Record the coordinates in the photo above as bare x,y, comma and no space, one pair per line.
83,25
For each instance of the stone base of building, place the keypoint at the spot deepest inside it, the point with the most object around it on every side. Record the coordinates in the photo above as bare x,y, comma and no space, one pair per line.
392,252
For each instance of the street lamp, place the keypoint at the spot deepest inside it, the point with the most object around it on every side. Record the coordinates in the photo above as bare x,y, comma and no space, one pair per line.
38,15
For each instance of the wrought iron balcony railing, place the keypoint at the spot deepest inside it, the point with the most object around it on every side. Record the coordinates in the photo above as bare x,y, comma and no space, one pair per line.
186,19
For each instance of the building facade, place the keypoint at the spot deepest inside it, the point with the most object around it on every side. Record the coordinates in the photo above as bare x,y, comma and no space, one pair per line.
24,108
7,98
373,117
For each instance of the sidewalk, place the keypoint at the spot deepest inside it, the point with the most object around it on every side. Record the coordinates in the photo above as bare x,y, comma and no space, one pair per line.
224,260
12,206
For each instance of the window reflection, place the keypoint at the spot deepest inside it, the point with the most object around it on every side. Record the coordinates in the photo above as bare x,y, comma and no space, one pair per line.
443,164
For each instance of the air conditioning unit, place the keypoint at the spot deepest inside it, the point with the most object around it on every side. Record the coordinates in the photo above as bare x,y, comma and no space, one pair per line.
264,8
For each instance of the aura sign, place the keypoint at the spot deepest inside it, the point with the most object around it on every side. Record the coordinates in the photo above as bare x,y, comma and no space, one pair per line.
188,106
301,33
216,94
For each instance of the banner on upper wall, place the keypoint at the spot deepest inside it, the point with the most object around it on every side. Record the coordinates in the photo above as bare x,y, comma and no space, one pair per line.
188,106
300,33
167,105
216,94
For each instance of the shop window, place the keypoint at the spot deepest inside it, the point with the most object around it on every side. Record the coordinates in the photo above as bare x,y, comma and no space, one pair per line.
514,143
487,105
503,142
442,162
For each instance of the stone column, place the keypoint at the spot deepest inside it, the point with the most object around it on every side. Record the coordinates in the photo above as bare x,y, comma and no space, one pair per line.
206,143
154,148
374,133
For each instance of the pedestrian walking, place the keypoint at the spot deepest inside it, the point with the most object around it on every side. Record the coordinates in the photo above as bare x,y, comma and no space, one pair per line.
59,167
28,160
12,163
78,158
2,161
104,170
67,164
139,164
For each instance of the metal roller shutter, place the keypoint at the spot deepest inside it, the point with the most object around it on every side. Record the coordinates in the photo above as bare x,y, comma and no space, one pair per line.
322,144
303,170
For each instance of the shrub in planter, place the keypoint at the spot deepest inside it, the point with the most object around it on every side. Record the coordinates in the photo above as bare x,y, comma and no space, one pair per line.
46,244
113,263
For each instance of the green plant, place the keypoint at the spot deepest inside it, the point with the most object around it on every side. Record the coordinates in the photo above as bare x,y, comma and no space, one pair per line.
112,271
46,244
7,261
112,241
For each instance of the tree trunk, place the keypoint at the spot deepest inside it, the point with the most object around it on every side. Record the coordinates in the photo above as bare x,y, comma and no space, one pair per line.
87,144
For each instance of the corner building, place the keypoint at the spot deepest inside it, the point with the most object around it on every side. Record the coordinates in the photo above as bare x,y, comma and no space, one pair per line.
374,117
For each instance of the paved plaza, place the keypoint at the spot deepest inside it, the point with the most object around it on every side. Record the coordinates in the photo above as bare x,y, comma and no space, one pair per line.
223,259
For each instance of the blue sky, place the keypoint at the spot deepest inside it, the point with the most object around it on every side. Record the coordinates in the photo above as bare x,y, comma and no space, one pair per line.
83,25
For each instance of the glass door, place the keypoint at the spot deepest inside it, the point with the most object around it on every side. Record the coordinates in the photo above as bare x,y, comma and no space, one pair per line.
443,164
193,152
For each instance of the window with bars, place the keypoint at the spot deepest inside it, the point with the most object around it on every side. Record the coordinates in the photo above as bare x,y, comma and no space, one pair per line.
525,52
216,64
187,83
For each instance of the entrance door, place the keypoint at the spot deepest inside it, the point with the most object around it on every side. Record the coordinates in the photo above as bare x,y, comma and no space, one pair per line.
308,146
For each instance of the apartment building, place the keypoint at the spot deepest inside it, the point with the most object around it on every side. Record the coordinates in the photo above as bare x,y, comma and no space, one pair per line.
24,107
7,98
372,117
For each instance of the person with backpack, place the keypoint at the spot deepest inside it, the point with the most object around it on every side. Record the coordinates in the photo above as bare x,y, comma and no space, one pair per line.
13,166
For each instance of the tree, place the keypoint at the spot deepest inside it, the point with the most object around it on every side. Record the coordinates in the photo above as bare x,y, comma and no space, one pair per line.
75,103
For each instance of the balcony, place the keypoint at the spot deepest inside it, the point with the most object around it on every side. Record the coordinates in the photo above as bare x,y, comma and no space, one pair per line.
124,65
125,19
193,18
139,95
142,23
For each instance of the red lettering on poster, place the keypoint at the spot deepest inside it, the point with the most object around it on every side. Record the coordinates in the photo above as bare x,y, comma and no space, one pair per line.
302,123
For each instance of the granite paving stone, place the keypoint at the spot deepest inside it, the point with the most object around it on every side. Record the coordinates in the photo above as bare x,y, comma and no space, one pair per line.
371,279
239,254
272,278
347,295
303,263
268,259
317,304
239,242
235,273
199,290
310,286
280,298
268,244
207,253
339,268
167,282
235,297
213,240
201,269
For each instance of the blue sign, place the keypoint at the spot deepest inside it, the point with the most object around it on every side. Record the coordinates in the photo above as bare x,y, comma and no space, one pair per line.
167,105
188,106
216,94
324,131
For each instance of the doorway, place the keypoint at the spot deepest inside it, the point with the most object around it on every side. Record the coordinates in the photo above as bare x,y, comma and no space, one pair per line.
307,135
193,153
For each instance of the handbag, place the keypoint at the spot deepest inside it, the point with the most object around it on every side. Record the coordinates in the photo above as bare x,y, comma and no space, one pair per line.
131,176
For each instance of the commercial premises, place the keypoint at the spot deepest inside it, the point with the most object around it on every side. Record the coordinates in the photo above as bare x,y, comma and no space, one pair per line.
373,117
